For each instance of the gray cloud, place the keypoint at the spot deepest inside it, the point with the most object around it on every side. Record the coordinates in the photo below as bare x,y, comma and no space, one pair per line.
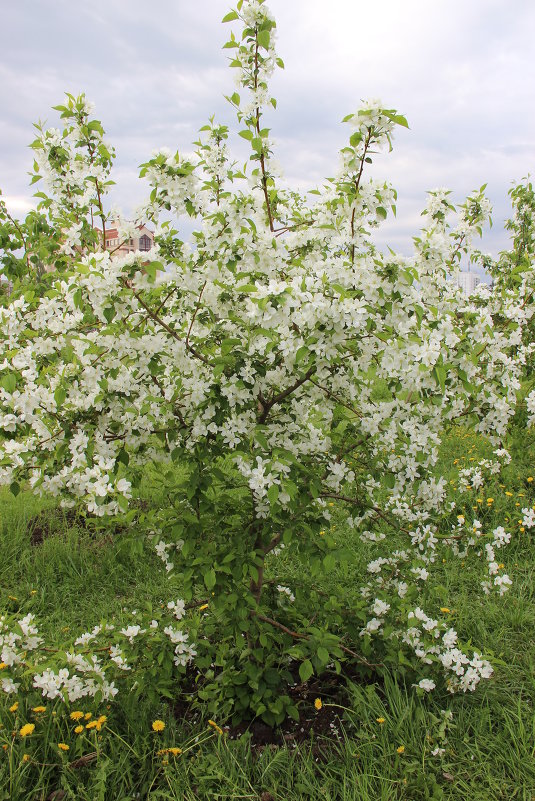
461,73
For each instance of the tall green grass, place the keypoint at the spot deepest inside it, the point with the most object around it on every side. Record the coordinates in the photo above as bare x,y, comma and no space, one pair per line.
80,574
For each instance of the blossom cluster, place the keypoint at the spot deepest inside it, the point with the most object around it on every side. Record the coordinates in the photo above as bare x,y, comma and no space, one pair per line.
94,662
280,340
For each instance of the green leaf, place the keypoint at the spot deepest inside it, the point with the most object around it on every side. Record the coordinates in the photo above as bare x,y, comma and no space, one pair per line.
122,457
109,313
439,373
390,480
323,655
209,579
14,488
273,493
230,16
305,670
9,382
329,562
263,38
59,396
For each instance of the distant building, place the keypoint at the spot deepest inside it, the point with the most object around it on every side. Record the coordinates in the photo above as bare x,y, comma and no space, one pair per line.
468,282
143,241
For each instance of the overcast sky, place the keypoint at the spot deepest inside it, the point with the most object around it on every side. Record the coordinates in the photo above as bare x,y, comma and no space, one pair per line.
461,71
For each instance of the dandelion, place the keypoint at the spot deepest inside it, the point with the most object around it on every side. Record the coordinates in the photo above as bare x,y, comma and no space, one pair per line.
93,724
3,665
214,725
530,479
27,729
174,751
78,729
445,610
204,606
14,707
318,704
400,749
63,746
88,716
380,720
76,715
26,757
39,709
158,725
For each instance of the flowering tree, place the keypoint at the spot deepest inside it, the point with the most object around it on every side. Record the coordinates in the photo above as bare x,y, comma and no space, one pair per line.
276,369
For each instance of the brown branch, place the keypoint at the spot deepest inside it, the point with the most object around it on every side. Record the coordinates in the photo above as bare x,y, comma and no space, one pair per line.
257,125
164,325
197,306
266,406
297,636
334,397
357,185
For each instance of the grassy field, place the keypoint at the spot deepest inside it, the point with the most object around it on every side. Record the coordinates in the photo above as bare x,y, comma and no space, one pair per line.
72,577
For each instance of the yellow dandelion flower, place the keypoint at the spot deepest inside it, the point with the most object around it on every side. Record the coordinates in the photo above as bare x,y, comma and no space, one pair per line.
501,566
490,500
214,725
400,749
318,704
14,707
380,720
445,609
76,715
175,751
509,494
158,725
92,724
27,729
39,709
63,746
88,716
204,606
522,529
12,598
26,757
3,665
530,479
78,729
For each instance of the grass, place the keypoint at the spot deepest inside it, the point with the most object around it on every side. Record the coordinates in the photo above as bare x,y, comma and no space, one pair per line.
486,750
